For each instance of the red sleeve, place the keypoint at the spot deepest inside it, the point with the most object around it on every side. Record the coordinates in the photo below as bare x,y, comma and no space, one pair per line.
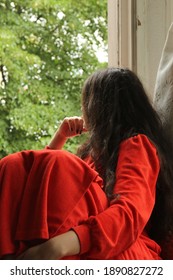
111,232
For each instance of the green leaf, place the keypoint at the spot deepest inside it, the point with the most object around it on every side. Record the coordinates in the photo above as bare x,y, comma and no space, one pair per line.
48,49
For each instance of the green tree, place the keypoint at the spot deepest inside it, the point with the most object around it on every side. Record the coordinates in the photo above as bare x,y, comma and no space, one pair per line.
47,49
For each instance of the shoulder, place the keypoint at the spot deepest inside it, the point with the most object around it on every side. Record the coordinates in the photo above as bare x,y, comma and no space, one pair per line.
139,149
138,142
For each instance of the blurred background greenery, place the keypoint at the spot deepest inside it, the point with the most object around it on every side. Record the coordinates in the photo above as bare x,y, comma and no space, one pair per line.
47,49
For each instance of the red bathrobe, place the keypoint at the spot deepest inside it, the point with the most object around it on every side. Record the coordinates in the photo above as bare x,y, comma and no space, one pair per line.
44,193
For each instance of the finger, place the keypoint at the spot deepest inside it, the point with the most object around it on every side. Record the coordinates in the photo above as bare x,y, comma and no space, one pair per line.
81,126
72,126
75,124
68,125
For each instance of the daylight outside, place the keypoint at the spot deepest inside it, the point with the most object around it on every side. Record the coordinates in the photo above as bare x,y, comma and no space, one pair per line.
47,49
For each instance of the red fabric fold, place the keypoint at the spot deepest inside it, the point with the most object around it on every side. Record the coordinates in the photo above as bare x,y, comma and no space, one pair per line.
39,191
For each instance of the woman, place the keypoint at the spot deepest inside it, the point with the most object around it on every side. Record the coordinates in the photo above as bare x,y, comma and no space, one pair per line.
127,148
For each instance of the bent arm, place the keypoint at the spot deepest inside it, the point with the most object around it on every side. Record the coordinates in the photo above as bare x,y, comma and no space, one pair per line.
70,127
114,230
57,142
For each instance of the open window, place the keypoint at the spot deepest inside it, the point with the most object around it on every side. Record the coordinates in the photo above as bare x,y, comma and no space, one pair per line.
136,34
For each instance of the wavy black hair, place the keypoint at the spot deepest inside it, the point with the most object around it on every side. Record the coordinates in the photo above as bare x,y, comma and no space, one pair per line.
116,107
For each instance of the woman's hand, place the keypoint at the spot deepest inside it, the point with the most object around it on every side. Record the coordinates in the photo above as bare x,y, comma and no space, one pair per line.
66,244
43,251
69,127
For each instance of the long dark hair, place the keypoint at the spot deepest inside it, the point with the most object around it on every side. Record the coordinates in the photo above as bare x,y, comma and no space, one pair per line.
116,107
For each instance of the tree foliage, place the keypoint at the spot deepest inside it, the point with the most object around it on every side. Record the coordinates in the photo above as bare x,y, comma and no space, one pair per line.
47,49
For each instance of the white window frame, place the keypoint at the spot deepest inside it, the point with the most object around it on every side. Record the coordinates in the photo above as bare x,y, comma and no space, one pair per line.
137,31
122,33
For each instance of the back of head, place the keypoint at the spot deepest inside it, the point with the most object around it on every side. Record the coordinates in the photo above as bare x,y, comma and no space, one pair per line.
114,100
